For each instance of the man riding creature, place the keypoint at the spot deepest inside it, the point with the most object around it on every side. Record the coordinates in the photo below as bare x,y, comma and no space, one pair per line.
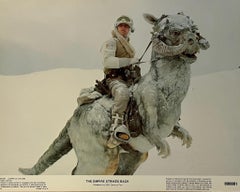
158,95
120,73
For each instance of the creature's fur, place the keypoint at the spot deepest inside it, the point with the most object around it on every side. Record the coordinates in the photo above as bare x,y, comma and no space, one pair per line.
158,94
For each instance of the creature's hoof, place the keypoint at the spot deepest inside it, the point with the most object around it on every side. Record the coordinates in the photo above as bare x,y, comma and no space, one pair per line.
164,153
27,171
182,134
186,137
164,149
187,140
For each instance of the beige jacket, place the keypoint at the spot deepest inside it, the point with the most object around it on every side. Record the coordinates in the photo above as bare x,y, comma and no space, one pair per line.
117,52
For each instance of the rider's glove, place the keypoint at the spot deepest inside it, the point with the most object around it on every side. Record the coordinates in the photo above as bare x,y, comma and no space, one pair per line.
134,60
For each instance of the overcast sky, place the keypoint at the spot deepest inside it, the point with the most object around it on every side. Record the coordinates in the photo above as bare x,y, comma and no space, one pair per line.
39,35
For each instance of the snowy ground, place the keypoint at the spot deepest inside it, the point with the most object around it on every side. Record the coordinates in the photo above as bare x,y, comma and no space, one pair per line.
35,107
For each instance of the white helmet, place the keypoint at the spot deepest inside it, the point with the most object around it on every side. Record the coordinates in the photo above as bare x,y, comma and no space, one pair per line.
126,20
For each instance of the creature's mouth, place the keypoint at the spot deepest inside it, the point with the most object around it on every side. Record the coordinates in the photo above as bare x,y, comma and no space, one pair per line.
191,56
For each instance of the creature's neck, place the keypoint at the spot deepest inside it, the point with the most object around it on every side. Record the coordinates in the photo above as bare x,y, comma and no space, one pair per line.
154,68
170,72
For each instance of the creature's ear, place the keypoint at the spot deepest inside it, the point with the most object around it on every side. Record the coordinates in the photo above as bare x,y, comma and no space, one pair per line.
150,18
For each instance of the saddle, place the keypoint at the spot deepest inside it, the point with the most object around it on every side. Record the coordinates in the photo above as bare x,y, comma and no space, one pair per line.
132,119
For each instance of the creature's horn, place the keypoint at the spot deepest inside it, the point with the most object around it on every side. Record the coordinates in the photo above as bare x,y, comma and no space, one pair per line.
57,149
166,50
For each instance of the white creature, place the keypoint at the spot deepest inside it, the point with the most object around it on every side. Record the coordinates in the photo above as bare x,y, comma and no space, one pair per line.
158,94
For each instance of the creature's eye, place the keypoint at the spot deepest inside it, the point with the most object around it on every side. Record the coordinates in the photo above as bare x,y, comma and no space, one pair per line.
175,33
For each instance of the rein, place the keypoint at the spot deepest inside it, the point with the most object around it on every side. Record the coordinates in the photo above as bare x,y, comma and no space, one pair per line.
145,51
141,62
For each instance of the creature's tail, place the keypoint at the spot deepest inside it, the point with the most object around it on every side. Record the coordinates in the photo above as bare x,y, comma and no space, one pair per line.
57,149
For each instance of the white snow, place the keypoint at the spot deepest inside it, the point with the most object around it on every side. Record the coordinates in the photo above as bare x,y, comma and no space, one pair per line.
35,107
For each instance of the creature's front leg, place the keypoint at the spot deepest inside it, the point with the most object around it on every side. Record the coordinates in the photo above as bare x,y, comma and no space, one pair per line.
155,104
151,102
183,134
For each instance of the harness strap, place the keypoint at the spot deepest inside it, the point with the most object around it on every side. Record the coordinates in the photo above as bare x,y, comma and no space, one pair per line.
116,121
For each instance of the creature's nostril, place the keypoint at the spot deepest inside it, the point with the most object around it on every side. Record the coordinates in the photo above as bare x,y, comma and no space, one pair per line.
190,41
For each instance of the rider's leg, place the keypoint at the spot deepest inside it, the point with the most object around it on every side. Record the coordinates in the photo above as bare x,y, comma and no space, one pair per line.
121,94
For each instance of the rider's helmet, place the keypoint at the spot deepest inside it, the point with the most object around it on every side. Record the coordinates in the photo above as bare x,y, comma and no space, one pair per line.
126,20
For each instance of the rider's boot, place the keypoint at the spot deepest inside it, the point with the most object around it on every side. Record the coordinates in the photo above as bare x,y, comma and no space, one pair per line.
119,133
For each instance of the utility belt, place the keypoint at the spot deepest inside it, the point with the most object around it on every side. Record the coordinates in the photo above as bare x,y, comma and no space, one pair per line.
130,74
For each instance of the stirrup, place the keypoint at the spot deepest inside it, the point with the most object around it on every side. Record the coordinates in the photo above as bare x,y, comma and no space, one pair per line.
117,120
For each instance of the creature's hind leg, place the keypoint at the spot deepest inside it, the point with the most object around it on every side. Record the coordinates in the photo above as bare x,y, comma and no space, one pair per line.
102,162
74,170
86,132
129,162
57,149
94,158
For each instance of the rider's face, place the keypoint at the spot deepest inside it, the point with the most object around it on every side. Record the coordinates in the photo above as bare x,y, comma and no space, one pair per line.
123,29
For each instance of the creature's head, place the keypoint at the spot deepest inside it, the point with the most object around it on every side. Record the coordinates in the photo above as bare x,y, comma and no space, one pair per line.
176,35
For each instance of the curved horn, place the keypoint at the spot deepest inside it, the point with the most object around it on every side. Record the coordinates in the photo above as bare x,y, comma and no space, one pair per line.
166,50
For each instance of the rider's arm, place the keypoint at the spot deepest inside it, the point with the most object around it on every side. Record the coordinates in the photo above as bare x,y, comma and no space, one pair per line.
109,60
